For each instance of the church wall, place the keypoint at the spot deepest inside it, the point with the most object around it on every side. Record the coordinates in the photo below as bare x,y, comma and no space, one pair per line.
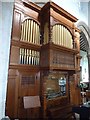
6,9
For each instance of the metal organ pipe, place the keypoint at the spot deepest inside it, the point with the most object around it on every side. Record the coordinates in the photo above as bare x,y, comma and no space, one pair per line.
30,31
62,36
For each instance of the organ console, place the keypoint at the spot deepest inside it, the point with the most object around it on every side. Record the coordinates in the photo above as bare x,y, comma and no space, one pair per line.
44,61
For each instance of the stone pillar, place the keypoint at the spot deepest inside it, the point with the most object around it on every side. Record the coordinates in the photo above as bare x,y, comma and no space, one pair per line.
89,14
88,56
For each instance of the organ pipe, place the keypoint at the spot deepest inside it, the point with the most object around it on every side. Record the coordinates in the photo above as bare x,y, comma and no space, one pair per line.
61,36
30,31
28,56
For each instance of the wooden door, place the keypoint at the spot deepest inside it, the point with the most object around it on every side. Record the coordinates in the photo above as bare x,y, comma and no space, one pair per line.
28,86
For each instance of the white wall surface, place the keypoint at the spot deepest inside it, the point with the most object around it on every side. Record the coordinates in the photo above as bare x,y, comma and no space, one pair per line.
89,14
6,10
78,8
84,65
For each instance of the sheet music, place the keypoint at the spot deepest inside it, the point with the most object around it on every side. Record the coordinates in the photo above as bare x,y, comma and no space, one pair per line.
31,102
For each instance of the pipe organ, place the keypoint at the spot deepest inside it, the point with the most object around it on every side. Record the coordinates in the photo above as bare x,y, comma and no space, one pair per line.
30,57
44,62
62,36
30,31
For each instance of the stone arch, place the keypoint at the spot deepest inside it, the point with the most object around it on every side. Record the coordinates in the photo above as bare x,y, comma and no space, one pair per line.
85,29
86,40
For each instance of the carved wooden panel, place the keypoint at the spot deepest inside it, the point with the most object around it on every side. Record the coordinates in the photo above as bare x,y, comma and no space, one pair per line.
60,101
44,61
14,58
57,59
28,80
75,96
28,86
12,93
16,25
46,33
63,59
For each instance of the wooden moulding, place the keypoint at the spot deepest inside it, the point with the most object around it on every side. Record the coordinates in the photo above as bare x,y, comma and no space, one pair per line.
64,112
26,45
21,8
22,11
58,68
59,48
57,101
61,18
24,67
59,10
48,55
28,4
31,5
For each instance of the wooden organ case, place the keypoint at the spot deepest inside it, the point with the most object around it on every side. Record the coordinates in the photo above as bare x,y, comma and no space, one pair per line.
44,61
59,62
24,69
